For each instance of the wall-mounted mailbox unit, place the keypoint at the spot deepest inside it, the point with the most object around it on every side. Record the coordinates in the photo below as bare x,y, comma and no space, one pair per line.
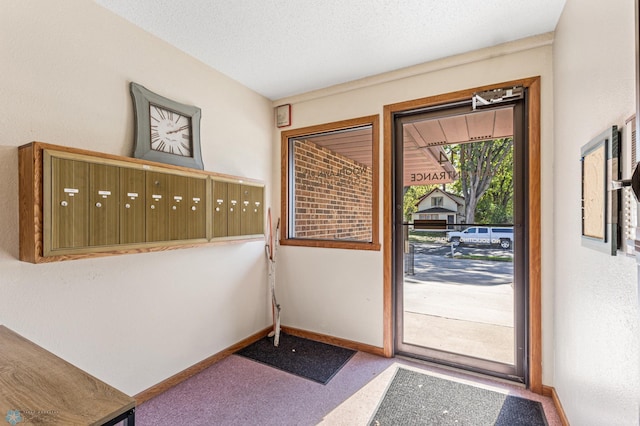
77,204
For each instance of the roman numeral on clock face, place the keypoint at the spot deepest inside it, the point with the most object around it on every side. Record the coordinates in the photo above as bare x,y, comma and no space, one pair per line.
169,130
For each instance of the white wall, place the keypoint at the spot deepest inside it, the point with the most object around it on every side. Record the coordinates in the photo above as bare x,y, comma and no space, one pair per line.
130,320
596,312
339,292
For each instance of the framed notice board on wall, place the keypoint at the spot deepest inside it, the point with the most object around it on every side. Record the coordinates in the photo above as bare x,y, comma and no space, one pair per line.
600,166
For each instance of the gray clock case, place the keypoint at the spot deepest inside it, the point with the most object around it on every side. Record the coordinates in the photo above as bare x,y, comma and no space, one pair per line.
142,97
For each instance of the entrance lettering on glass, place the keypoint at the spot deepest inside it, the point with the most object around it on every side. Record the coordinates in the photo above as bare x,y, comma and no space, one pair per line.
435,176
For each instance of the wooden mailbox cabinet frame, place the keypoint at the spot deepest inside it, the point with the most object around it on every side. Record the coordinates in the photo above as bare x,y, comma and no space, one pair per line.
35,204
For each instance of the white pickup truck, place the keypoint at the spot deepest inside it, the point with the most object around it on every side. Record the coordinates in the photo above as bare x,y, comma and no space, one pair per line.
483,235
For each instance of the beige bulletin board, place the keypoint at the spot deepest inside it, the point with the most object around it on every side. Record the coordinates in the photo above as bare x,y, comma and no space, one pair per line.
600,202
593,193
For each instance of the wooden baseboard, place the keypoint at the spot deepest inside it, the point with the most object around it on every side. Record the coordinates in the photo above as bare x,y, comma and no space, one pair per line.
177,378
550,391
349,344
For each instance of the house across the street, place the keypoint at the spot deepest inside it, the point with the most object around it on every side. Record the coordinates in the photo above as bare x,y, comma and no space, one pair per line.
437,209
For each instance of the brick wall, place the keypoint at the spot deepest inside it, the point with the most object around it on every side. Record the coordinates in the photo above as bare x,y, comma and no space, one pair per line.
333,195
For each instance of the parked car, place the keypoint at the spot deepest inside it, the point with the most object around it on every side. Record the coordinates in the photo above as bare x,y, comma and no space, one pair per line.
502,236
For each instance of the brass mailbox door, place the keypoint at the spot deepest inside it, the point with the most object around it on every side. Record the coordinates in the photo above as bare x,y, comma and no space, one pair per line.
157,206
245,210
233,211
257,210
178,205
132,208
220,208
251,213
196,208
69,204
103,205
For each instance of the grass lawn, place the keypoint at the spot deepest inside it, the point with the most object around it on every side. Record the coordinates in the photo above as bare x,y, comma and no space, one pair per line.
481,257
427,236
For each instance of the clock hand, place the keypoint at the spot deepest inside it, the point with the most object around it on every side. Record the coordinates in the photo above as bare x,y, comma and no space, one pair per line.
179,129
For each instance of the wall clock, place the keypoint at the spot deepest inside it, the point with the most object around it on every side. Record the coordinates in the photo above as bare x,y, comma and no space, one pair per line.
166,131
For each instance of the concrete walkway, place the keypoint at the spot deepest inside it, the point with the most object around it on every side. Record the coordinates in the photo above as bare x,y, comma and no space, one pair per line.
460,305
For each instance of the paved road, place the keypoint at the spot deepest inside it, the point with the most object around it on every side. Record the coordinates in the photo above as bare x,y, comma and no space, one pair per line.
466,289
442,249
433,263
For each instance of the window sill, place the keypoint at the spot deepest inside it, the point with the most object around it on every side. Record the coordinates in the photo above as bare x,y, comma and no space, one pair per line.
347,245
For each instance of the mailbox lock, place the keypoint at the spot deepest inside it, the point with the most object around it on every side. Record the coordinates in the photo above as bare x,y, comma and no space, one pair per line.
127,206
64,204
174,207
98,205
193,208
152,207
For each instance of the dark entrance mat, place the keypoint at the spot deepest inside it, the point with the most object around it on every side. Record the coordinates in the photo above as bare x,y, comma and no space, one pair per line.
419,399
306,358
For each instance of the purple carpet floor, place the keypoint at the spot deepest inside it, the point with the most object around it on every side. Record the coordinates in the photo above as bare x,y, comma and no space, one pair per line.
240,391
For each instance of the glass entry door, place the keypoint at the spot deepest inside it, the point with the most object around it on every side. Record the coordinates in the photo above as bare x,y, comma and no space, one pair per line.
461,242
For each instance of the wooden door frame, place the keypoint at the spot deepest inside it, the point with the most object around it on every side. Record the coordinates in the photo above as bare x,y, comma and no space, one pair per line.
534,214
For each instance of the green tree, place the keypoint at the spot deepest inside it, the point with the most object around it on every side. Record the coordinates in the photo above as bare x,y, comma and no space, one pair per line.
496,205
478,163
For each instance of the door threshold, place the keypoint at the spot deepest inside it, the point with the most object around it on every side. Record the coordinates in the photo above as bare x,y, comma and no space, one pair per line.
462,371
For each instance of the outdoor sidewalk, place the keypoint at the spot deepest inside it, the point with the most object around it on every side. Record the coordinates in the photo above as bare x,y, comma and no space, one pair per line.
460,306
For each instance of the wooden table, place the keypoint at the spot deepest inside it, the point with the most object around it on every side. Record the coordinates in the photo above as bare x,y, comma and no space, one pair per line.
37,387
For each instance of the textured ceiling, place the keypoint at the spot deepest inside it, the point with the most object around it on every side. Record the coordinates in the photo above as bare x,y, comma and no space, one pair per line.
281,48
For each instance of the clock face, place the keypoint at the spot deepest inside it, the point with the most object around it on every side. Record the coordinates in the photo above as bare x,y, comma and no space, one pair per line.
170,131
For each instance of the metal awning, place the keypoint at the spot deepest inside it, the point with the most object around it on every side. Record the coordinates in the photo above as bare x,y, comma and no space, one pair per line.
425,161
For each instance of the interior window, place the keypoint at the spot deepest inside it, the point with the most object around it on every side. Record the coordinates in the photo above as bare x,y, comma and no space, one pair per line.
330,185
